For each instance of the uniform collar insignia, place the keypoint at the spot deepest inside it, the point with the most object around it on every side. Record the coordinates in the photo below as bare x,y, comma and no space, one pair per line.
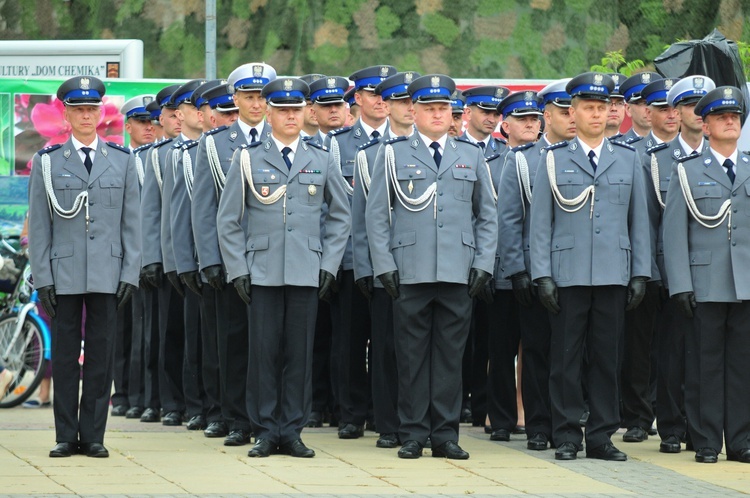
304,145
453,144
609,147
415,143
650,143
358,133
707,161
104,151
267,146
233,135
492,143
676,153
66,153
574,146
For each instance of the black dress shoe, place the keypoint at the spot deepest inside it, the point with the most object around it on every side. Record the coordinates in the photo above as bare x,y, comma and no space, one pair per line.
150,415
94,450
537,442
606,451
315,420
172,419
262,448
296,449
388,440
500,435
466,416
134,412
63,450
410,450
635,435
742,456
215,429
566,451
119,410
351,431
488,429
519,429
450,450
670,444
652,431
196,423
706,455
237,437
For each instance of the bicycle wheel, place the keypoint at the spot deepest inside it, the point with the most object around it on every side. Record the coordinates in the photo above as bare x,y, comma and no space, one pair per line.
25,358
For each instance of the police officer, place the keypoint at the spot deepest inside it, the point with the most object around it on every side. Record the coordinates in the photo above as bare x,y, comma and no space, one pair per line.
84,246
706,223
617,108
590,258
278,261
482,117
350,310
155,109
635,106
432,229
354,108
222,111
640,323
328,105
457,109
212,162
169,319
310,128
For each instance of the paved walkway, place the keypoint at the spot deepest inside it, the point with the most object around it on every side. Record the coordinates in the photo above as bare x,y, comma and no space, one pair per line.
150,459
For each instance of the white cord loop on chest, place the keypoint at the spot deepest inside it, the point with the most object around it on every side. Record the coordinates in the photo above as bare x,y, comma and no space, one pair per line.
247,173
139,168
187,166
337,158
215,165
567,204
524,181
364,172
725,211
155,165
420,203
79,203
655,180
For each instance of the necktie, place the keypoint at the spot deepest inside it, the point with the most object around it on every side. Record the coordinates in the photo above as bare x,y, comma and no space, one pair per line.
436,156
729,165
592,157
87,162
285,153
375,134
481,144
253,135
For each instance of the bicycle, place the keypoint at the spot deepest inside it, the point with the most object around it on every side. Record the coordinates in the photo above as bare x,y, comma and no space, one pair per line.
25,338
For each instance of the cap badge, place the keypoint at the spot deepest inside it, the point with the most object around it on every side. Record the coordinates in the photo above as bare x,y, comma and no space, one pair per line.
331,83
408,77
312,189
499,93
598,79
288,84
668,84
383,71
257,71
615,78
435,82
646,78
727,93
698,83
265,190
85,83
528,96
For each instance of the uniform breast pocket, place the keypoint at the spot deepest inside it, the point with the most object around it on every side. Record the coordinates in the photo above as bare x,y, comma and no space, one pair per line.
415,175
700,269
570,184
312,187
708,198
256,254
464,184
403,250
620,185
111,188
265,183
66,189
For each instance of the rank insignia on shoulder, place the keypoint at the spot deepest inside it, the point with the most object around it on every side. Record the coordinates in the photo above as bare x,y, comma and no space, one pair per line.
49,149
465,140
657,147
216,130
632,140
556,145
177,145
372,142
682,159
317,145
493,157
118,147
190,144
623,145
141,148
339,131
522,147
395,139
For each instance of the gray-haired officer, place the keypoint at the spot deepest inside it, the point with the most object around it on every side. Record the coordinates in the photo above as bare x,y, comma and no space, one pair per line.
328,105
590,258
432,229
482,117
270,227
349,308
641,323
616,109
84,234
635,106
457,111
707,256
212,161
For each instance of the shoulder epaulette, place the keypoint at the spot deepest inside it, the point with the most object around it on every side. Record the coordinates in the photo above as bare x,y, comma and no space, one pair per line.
307,138
556,145
253,144
396,139
189,144
369,144
49,149
501,140
119,147
685,158
616,136
631,140
622,144
522,147
162,142
142,148
216,130
657,147
493,157
465,140
177,144
317,145
339,131
747,153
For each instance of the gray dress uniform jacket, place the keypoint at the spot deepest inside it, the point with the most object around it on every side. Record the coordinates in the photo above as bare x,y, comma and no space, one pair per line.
492,147
206,191
711,262
151,202
183,242
66,253
606,243
360,245
457,230
514,210
497,164
282,243
170,166
665,155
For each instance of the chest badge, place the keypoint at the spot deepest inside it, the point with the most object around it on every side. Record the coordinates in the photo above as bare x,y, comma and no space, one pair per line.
312,189
265,190
411,186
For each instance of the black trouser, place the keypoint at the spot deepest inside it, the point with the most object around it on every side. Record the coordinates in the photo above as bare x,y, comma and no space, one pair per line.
635,377
322,381
84,423
503,348
233,334
192,380
475,361
136,376
431,324
670,399
535,341
210,354
717,377
123,345
351,333
383,361
151,348
279,375
594,317
171,348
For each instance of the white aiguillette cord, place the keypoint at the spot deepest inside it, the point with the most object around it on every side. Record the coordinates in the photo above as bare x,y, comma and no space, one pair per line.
247,174
561,201
215,165
79,203
391,177
724,211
